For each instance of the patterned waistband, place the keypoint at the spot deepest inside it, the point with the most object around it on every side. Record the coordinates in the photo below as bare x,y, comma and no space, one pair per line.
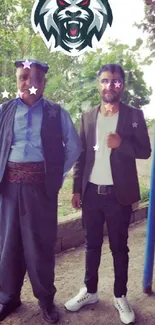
30,173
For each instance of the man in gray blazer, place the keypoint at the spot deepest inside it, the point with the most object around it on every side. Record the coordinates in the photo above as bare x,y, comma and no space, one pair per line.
106,184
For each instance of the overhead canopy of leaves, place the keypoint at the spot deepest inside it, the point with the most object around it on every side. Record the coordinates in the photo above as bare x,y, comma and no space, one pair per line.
148,27
84,82
71,81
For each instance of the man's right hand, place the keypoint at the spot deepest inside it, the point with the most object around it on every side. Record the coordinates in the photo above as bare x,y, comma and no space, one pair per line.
76,201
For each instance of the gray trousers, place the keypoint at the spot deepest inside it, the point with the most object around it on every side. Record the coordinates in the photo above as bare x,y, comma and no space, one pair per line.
28,231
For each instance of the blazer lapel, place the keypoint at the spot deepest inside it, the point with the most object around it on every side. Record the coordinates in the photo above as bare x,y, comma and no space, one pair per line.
123,114
92,130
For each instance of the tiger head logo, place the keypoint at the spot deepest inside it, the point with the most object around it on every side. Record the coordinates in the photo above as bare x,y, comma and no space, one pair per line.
71,26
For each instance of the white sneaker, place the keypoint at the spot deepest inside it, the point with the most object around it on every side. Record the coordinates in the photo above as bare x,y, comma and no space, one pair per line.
81,299
126,313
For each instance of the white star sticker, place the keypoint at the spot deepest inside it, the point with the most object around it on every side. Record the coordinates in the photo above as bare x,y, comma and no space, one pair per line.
108,85
108,107
33,90
117,84
78,115
19,94
96,147
134,125
27,64
52,113
5,94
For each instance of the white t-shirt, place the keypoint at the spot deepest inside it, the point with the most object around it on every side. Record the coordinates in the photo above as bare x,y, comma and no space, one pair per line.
101,172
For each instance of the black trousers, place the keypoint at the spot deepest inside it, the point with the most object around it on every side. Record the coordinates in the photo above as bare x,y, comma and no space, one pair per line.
97,208
28,231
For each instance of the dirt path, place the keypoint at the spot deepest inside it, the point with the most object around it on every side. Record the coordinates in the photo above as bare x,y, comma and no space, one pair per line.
69,278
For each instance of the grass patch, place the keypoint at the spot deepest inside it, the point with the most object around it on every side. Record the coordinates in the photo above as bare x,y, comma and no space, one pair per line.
145,192
65,196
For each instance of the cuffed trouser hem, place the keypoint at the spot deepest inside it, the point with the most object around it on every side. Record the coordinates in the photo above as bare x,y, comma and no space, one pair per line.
6,298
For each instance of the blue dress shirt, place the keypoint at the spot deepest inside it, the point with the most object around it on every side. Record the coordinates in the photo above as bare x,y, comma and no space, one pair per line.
26,145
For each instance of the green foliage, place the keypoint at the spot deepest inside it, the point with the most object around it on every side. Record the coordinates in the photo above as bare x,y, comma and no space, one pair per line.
150,123
19,41
145,192
84,91
148,26
65,195
71,81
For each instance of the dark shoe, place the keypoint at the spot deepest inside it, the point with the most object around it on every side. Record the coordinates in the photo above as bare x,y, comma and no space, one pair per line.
7,309
50,312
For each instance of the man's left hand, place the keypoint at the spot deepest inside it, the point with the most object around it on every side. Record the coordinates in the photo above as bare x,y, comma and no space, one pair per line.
113,140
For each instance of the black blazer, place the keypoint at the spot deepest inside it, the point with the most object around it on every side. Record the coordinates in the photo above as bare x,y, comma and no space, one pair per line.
135,144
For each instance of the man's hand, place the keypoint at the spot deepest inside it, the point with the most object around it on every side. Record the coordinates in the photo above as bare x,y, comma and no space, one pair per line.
113,140
76,201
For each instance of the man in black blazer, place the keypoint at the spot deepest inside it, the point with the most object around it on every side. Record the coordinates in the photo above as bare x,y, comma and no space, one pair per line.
106,184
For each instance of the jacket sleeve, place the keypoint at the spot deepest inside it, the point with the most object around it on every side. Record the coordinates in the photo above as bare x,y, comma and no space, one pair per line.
71,140
139,146
80,163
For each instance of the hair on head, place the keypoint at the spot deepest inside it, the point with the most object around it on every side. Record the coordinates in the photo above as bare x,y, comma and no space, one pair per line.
112,67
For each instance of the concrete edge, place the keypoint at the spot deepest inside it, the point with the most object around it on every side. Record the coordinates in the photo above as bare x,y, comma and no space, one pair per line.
71,233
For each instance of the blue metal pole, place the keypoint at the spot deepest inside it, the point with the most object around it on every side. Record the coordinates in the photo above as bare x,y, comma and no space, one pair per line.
150,234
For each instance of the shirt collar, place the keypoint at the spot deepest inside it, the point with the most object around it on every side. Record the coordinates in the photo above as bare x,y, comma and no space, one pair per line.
39,101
